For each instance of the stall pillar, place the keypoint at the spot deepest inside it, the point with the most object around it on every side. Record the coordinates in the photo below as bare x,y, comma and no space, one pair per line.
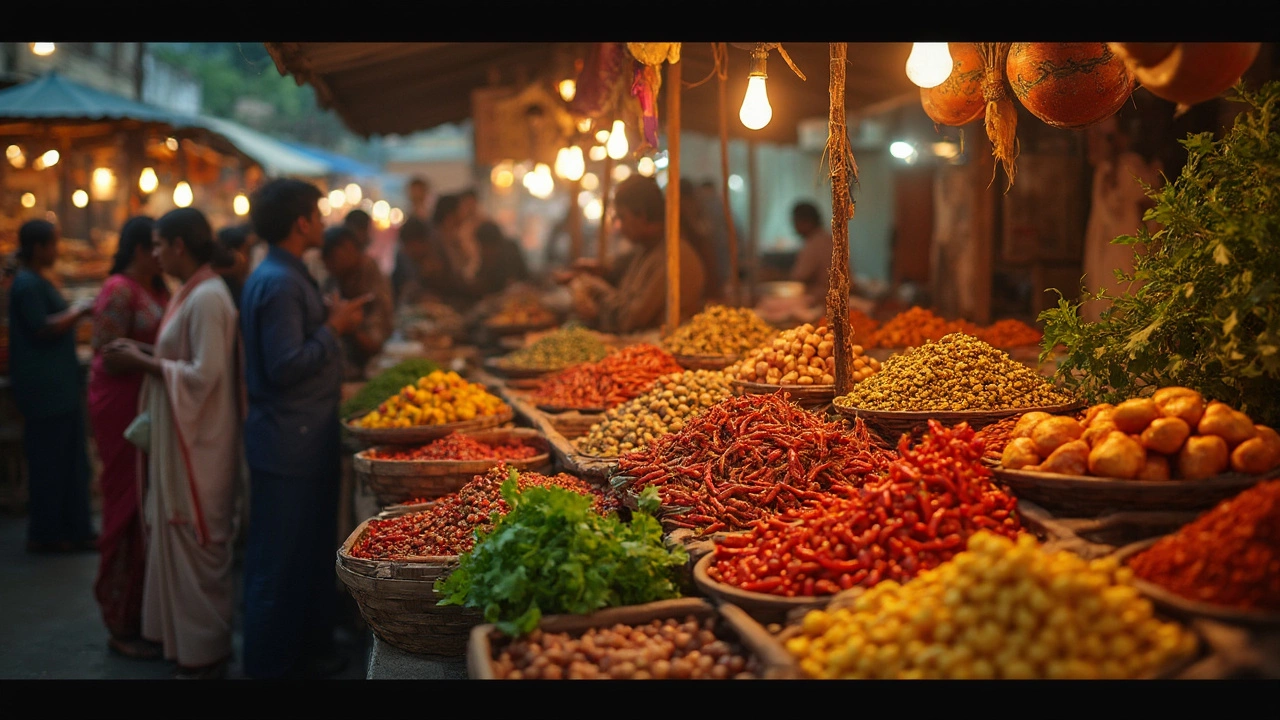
673,198
841,213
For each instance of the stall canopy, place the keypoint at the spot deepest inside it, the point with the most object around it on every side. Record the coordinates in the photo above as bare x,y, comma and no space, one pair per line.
337,163
401,88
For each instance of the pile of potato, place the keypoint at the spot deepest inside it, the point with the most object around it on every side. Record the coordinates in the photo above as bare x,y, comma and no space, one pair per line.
1176,434
801,356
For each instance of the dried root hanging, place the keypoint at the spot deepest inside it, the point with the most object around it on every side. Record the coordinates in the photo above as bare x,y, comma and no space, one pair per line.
1001,114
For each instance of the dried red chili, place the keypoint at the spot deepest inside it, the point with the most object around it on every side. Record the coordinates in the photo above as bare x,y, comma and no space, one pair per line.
622,375
894,527
448,526
749,457
457,446
1228,556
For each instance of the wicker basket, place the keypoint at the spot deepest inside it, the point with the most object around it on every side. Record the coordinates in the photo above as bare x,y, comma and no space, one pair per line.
705,362
891,425
764,608
394,481
774,660
398,601
1087,496
806,396
1177,605
560,410
420,434
573,425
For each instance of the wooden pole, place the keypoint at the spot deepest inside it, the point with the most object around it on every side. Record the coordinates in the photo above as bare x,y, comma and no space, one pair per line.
673,198
841,213
602,242
753,230
575,221
735,297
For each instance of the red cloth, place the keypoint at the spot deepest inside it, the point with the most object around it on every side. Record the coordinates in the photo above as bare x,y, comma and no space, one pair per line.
123,309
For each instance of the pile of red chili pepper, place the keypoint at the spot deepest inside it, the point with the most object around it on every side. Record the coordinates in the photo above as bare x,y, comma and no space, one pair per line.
456,446
448,526
894,527
619,377
1228,556
750,457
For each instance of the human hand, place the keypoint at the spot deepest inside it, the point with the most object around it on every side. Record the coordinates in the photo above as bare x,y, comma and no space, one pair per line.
121,356
83,308
346,315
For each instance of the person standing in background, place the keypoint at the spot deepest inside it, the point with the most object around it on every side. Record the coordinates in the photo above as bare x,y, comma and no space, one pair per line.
502,262
813,263
407,277
194,396
352,274
129,305
360,223
47,387
231,260
293,365
421,201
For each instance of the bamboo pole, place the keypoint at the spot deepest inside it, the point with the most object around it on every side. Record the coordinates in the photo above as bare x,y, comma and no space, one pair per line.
841,212
602,242
735,297
673,198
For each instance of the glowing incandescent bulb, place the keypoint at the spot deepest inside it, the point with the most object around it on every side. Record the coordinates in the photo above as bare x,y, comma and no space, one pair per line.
929,64
617,146
570,164
147,181
182,195
756,111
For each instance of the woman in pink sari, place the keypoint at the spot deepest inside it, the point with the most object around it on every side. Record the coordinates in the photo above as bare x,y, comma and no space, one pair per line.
130,305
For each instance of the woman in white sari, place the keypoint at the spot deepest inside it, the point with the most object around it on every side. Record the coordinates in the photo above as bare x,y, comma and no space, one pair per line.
193,394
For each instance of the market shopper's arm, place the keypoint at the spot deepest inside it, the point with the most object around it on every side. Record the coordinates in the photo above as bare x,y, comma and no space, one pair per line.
32,309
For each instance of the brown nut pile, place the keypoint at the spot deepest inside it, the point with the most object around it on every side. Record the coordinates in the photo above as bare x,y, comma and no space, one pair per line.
670,649
719,330
801,356
1174,434
957,373
671,401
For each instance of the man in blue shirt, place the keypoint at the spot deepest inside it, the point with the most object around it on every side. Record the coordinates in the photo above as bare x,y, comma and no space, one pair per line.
293,369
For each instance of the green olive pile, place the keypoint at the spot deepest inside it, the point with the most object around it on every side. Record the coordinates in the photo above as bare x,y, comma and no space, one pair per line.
670,649
671,401
959,372
720,331
559,349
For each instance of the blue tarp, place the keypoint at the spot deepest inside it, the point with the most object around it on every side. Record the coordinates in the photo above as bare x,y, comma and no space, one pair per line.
338,164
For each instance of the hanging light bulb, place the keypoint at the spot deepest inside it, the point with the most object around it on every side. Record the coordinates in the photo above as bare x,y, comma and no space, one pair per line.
147,181
929,64
171,143
570,164
617,146
337,199
240,204
597,153
182,195
621,172
594,210
28,200
43,49
353,193
584,125
103,183
756,111
47,160
79,198
646,167
568,88
602,136
382,211
16,157
590,181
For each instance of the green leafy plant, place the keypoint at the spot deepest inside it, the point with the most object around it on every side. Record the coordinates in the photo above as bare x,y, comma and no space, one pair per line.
1205,312
551,553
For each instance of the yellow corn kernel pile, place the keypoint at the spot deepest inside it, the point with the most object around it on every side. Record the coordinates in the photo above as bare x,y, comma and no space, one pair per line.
436,399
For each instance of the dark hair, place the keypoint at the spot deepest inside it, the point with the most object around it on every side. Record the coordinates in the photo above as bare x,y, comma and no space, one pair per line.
414,228
805,211
276,206
358,219
135,234
642,196
193,227
489,233
33,233
230,239
417,180
445,206
335,236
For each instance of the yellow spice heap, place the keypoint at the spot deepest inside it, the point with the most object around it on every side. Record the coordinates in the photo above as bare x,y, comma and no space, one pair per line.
436,399
1000,610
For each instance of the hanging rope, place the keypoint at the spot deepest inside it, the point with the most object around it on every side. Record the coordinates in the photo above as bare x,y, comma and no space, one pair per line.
720,55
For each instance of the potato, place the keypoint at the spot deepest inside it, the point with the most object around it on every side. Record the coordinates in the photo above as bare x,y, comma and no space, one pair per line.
1019,453
1055,432
1028,421
1155,468
1227,423
1180,402
1100,429
1133,416
1203,456
1117,456
1071,458
1258,454
1096,410
1165,435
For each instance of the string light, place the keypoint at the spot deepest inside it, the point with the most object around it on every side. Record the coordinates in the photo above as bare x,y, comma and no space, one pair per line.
597,153
28,200
182,195
353,193
240,204
646,167
621,172
590,181
80,198
16,157
171,143
47,160
617,146
337,199
570,164
568,88
147,181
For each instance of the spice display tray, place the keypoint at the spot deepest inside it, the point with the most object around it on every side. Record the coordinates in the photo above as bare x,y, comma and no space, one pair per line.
806,396
891,425
775,661
1089,496
419,434
762,607
1176,604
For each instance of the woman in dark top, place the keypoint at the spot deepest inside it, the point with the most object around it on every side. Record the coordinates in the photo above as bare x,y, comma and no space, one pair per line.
48,388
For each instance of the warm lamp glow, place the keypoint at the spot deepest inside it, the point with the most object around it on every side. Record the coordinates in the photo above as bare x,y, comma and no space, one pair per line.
47,160
171,143
366,205
597,153
325,208
28,200
929,64
337,199
584,125
16,158
240,204
602,136
646,167
43,49
570,164
621,172
617,146
147,181
590,181
353,193
79,198
182,195
381,211
103,183
568,88
594,210
756,111
397,216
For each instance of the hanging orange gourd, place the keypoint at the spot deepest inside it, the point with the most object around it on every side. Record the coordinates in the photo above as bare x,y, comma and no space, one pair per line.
1187,73
957,101
1000,113
1068,85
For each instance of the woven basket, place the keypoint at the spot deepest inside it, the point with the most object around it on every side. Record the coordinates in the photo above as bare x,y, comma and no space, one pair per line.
398,600
773,659
764,608
705,362
420,434
806,396
573,425
1087,496
394,481
560,410
891,425
1177,605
